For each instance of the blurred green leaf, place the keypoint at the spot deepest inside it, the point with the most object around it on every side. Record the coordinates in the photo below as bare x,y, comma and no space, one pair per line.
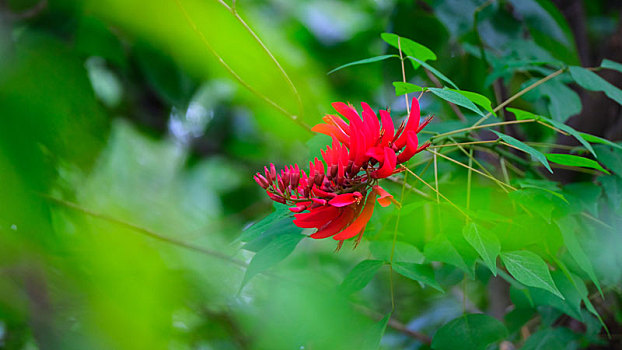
611,65
441,249
274,252
611,157
534,153
373,335
364,61
360,276
530,270
572,160
403,252
593,82
487,245
550,338
423,274
456,98
469,332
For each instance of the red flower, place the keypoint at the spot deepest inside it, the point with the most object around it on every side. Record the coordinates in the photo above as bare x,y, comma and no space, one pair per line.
338,195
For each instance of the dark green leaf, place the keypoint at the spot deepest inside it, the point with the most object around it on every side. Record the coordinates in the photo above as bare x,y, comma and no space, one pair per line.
593,82
403,252
567,226
433,70
456,98
409,47
534,153
611,157
360,276
405,88
364,61
572,160
420,273
486,244
277,250
476,98
550,339
469,332
441,249
530,270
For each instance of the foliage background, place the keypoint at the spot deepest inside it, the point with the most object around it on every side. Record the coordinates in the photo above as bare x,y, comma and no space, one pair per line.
127,152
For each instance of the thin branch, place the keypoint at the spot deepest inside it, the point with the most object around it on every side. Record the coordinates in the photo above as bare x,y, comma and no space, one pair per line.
473,127
399,48
408,186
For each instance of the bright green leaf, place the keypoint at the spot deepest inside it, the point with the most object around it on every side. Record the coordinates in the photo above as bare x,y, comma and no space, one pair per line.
530,270
360,276
456,98
406,88
596,139
572,160
403,252
486,244
593,82
274,252
476,98
469,332
420,273
364,61
409,47
534,153
433,70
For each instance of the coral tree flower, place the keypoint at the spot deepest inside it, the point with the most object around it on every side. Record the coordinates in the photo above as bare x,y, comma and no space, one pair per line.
338,193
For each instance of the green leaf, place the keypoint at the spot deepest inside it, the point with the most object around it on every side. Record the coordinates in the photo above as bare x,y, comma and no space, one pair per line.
567,226
409,47
611,157
567,128
476,98
534,153
456,98
360,276
441,249
469,332
372,337
364,61
486,245
433,70
596,139
423,274
277,250
406,88
550,338
572,303
611,65
563,101
530,270
572,160
403,252
591,81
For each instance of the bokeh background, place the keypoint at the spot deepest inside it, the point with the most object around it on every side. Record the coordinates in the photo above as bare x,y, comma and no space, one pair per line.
127,151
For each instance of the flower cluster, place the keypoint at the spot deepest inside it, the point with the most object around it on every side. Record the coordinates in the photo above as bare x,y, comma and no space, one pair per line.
337,196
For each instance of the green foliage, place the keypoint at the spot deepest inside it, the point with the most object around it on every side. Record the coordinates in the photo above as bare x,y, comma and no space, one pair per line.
530,270
534,153
360,276
486,245
471,331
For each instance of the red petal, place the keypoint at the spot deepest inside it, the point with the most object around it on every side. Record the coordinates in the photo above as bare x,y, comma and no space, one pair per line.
412,125
361,221
333,227
331,131
316,217
343,200
412,143
384,197
388,166
388,129
377,153
370,118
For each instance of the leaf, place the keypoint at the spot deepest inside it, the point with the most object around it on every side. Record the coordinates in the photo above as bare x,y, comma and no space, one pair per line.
486,245
420,273
567,226
593,82
572,303
360,276
373,336
563,101
433,70
567,128
403,252
572,160
610,157
409,47
611,65
456,98
263,232
530,270
469,332
274,252
534,153
476,98
596,139
550,338
364,61
406,88
441,249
